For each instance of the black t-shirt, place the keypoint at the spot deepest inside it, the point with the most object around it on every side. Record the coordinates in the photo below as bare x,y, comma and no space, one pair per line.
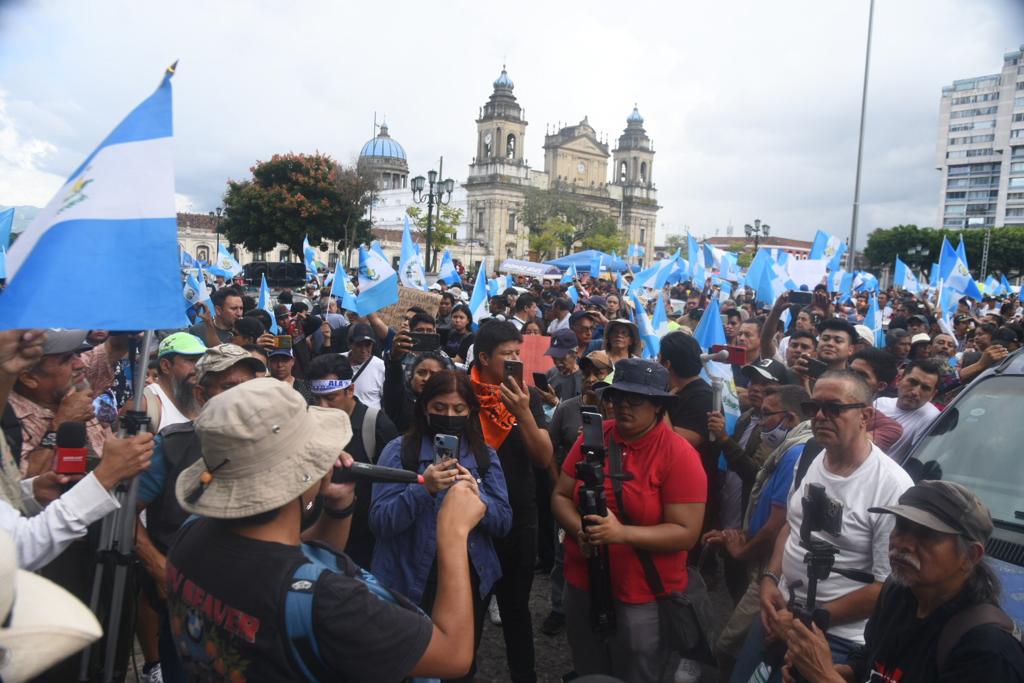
226,596
518,468
690,411
900,648
360,538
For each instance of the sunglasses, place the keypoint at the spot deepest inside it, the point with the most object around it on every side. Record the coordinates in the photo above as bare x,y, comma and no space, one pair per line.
622,398
828,408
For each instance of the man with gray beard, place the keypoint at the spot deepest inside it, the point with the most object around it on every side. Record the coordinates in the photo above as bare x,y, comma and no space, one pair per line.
171,399
937,618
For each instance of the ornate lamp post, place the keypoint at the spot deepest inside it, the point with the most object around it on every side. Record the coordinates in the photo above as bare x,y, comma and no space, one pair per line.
438,192
919,254
756,231
216,215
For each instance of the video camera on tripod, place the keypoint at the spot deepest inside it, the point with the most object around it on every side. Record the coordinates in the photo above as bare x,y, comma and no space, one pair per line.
592,501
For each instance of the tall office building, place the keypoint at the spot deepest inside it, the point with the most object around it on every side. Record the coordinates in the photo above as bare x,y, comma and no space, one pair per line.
981,149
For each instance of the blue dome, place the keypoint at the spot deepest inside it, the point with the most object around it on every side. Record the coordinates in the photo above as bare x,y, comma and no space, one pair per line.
635,116
383,146
503,80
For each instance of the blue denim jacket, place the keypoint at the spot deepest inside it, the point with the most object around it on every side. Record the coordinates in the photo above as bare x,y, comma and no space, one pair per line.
403,518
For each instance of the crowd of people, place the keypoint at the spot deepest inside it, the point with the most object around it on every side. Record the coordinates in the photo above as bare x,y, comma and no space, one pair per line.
262,559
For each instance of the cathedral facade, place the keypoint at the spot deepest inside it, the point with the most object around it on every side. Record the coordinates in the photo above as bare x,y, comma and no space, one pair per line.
576,161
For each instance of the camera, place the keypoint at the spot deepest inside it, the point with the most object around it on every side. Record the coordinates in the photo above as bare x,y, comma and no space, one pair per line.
821,512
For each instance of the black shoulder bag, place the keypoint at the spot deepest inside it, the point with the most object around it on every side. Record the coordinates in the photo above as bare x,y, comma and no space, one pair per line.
686,620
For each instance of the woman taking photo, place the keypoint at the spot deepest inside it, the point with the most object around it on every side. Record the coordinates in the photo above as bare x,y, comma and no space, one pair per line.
398,397
461,334
621,340
403,517
661,511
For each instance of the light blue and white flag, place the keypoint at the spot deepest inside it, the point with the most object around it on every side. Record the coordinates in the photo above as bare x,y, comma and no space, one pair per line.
378,282
696,262
756,267
650,338
309,258
620,282
947,259
992,286
448,273
6,225
873,320
195,293
864,281
710,332
573,294
659,321
829,247
265,304
478,300
226,266
410,265
903,277
635,251
342,288
960,280
187,260
729,268
1005,285
595,266
772,284
3,262
961,252
112,223
569,275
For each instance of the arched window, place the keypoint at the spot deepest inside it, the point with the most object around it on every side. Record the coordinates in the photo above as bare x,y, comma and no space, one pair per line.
643,172
510,146
203,253
622,172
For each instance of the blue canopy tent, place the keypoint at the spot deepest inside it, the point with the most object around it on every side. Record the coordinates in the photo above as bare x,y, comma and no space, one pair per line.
583,260
528,268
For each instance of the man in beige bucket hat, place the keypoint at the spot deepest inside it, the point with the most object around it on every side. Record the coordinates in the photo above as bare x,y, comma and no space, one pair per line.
235,574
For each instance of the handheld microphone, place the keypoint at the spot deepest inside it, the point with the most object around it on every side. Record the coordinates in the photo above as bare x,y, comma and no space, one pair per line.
717,389
361,471
71,454
717,356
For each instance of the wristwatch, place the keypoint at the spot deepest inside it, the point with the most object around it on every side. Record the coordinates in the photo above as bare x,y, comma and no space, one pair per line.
344,513
49,440
771,575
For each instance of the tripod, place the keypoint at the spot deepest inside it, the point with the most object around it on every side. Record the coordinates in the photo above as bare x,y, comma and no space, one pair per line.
590,471
117,543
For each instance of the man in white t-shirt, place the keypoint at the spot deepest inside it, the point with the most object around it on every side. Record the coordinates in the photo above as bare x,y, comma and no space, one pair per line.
912,406
860,476
368,368
171,399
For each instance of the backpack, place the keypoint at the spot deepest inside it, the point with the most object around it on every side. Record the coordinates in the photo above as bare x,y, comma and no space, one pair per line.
963,621
811,450
298,610
369,433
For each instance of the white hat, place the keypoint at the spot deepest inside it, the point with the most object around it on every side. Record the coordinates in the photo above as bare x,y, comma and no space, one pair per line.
43,623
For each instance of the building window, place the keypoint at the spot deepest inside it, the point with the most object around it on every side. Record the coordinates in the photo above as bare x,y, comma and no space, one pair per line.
258,256
643,235
511,222
1019,133
510,146
1016,182
643,172
480,221
332,260
203,253
284,255
622,172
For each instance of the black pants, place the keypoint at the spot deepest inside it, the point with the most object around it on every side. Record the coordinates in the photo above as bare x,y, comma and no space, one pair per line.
516,553
545,521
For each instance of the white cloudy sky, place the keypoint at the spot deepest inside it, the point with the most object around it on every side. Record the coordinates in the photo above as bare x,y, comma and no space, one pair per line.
753,106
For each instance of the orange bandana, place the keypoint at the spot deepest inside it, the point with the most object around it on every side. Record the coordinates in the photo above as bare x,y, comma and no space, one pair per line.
495,418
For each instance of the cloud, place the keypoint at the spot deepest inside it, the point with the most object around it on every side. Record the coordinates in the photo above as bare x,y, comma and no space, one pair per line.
21,156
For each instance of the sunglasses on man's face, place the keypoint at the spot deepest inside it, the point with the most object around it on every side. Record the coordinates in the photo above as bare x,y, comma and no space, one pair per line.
828,408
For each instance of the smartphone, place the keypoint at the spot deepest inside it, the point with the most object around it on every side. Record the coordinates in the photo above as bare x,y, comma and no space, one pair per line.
593,429
737,354
815,367
540,380
446,447
725,319
425,341
282,341
801,297
514,368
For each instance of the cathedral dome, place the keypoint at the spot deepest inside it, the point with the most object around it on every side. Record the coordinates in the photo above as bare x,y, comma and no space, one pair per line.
383,146
635,116
503,81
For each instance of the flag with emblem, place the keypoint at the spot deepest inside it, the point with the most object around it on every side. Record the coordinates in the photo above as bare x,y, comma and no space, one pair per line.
112,222
266,305
448,273
478,300
378,282
410,264
650,338
226,266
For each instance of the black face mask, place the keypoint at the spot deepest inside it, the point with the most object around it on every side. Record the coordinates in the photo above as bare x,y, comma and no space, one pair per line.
310,514
447,424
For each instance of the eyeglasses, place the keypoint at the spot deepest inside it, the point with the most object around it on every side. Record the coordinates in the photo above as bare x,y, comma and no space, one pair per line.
828,408
622,398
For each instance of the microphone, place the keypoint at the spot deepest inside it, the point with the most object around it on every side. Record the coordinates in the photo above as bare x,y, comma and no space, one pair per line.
361,471
71,454
718,356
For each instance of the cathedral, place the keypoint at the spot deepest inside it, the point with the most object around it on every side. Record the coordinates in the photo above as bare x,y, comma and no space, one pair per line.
575,162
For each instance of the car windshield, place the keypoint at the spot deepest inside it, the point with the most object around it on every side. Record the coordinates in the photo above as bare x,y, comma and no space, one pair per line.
977,443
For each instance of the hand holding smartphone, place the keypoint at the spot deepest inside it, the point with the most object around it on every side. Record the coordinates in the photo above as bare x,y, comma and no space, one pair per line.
514,368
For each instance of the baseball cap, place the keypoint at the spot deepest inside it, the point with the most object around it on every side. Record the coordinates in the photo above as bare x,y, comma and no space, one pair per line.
63,341
223,356
766,369
598,301
182,343
943,506
919,318
920,338
280,352
249,327
361,332
259,432
581,314
597,360
865,333
563,342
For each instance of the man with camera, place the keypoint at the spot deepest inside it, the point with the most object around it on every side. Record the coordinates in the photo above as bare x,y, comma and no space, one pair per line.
937,618
854,475
256,589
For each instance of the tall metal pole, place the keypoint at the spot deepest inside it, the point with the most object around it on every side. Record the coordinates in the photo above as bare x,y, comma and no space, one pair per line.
984,252
860,145
430,224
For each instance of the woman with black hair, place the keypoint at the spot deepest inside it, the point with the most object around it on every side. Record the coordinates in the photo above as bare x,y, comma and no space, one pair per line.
398,397
460,335
403,517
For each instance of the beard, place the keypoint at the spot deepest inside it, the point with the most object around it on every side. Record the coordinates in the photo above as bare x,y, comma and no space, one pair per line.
897,575
182,394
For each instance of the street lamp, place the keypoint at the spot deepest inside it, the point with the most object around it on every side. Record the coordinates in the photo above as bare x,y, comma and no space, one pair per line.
216,216
756,231
919,254
439,192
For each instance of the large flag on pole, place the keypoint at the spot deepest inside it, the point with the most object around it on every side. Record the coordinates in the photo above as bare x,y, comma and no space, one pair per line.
410,264
113,222
226,265
265,304
650,338
479,299
708,333
904,278
309,258
342,288
829,247
378,282
448,273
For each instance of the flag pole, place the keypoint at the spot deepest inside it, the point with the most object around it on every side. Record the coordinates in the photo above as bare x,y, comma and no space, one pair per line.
860,145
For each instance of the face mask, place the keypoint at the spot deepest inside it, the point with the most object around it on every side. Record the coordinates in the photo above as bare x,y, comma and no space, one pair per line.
447,424
311,511
775,437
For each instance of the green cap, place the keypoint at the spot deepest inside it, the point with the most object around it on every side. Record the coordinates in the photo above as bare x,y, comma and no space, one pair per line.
181,342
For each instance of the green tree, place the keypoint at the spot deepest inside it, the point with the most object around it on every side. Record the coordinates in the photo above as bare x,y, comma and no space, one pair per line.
590,228
604,236
554,236
443,231
1006,250
295,195
675,241
743,256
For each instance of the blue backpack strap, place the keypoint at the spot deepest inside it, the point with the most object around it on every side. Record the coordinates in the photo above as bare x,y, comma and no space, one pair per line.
298,614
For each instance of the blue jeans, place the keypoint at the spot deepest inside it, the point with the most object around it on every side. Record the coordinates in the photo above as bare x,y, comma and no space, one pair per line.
753,652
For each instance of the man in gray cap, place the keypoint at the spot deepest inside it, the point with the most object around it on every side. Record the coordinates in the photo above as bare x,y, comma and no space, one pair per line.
60,388
239,575
937,618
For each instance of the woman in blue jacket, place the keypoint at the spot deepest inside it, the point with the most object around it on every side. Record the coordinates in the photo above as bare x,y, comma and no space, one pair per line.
403,517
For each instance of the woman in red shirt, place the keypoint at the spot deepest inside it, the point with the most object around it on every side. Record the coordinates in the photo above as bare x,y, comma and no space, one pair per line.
663,491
